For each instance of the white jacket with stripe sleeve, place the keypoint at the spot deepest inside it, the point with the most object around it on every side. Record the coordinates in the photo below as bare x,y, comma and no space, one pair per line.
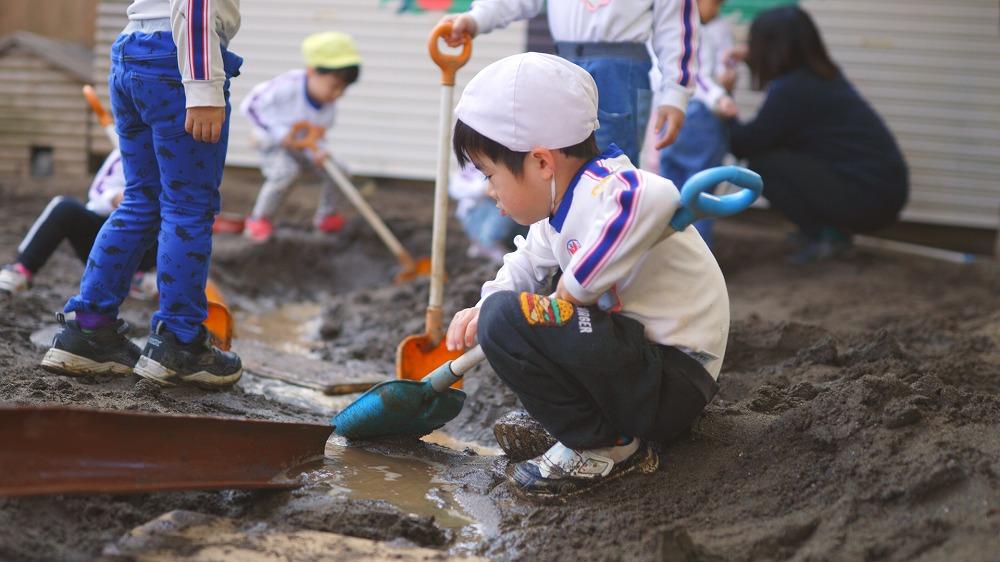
605,238
200,29
672,26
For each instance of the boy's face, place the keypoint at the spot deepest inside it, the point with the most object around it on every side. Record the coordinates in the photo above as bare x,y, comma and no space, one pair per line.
526,198
324,87
709,9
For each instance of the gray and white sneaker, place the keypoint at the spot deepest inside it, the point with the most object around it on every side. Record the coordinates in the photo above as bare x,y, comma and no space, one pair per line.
521,436
103,351
562,472
168,362
13,281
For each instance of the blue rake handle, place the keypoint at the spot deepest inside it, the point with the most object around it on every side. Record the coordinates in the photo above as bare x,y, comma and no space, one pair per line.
696,203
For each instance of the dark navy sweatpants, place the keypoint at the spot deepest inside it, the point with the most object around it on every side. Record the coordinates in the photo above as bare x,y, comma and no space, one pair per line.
590,377
172,187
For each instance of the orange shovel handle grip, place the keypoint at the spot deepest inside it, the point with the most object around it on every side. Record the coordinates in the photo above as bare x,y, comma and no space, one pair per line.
305,135
449,64
95,104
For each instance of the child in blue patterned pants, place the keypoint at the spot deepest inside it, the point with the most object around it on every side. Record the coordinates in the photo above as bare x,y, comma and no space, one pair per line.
172,116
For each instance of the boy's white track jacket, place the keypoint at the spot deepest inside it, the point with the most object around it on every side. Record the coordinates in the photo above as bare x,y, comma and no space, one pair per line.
604,237
200,28
672,26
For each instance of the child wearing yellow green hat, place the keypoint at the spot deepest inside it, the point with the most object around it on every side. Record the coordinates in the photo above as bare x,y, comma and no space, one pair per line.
273,107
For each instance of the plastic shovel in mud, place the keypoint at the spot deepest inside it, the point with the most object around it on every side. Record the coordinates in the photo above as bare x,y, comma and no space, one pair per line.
419,354
416,408
219,321
305,136
57,450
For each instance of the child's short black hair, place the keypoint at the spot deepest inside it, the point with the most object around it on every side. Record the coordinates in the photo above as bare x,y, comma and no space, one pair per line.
349,74
469,144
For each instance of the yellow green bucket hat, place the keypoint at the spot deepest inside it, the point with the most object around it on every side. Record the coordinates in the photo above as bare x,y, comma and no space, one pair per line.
330,49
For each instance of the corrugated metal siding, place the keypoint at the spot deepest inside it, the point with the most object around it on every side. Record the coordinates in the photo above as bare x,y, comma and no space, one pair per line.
40,105
387,122
932,70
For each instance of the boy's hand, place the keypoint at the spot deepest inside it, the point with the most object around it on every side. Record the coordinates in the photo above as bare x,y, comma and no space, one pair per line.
736,54
562,293
673,118
726,108
205,123
460,25
463,328
318,156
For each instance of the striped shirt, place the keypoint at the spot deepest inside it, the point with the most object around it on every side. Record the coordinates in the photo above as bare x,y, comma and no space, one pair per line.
604,237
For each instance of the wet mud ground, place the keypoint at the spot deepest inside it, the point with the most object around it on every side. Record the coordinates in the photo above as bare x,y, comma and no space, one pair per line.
858,417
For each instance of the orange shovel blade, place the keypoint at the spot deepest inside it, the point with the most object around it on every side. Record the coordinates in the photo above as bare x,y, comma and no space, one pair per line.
421,267
417,356
219,324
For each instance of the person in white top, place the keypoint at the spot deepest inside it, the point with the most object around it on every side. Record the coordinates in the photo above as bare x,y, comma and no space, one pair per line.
65,218
627,349
169,92
274,107
704,139
608,39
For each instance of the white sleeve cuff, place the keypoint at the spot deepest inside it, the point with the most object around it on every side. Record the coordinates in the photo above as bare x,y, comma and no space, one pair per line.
577,290
204,93
674,96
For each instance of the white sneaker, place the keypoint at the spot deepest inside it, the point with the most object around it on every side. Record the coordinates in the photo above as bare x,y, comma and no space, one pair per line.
563,472
13,281
143,286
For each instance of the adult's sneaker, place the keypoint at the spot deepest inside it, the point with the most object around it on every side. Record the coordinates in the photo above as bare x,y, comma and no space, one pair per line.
102,351
168,362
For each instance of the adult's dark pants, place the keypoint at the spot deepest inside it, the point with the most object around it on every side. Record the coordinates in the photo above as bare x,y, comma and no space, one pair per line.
65,218
812,195
590,377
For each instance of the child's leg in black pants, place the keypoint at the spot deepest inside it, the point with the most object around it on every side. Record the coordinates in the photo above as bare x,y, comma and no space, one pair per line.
65,218
590,377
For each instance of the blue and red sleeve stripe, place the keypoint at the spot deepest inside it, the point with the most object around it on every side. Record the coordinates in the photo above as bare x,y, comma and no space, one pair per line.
199,59
614,230
687,39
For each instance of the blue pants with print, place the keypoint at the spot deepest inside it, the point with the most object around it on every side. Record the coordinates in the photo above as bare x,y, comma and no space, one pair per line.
172,186
624,100
702,143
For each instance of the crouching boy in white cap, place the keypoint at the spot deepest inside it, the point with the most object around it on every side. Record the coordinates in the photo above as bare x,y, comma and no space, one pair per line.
332,64
628,349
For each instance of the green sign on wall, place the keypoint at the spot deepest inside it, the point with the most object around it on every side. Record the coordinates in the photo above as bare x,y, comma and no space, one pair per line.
748,9
431,5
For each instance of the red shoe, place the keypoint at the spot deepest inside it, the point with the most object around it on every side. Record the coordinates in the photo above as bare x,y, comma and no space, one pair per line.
331,223
228,223
258,230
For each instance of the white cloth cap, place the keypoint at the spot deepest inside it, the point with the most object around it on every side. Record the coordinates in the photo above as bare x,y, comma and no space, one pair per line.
531,100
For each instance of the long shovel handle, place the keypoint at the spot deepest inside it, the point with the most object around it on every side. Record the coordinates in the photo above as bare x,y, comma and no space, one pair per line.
306,135
695,202
103,117
449,64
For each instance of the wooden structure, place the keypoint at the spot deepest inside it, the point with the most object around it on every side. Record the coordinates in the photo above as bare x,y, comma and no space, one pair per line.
44,119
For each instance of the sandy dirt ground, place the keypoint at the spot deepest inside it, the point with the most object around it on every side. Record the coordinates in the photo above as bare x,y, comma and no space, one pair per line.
858,417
